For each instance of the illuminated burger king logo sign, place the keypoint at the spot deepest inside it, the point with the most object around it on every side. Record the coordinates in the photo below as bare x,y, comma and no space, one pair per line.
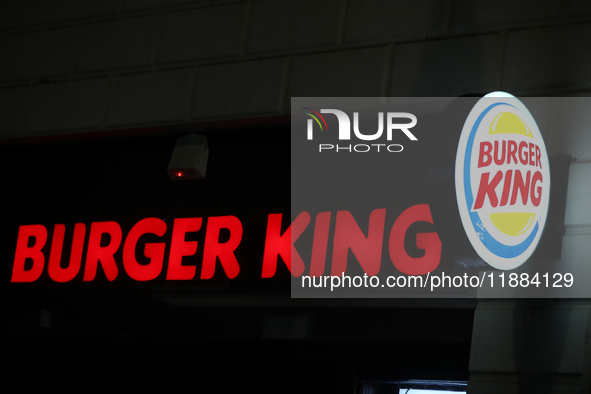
502,181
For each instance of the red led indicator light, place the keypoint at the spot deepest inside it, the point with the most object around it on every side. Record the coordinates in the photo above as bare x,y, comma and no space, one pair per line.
179,174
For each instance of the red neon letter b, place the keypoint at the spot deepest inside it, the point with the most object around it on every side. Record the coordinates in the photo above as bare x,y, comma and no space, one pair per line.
23,251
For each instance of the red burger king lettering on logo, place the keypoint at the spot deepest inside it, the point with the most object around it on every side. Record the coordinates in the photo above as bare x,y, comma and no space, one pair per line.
502,179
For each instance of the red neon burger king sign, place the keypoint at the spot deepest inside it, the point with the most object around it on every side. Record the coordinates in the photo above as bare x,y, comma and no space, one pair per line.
171,254
502,181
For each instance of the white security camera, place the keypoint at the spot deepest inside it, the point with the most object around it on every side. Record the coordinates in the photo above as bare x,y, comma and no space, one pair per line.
189,158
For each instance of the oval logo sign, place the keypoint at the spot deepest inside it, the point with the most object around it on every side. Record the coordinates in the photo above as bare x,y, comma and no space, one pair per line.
502,181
